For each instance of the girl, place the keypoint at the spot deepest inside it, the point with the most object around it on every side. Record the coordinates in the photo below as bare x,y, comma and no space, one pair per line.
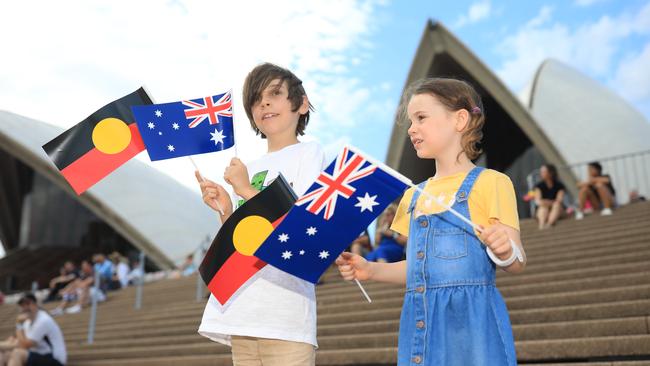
452,313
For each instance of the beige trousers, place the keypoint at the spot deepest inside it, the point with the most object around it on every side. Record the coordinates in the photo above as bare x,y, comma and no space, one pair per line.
249,351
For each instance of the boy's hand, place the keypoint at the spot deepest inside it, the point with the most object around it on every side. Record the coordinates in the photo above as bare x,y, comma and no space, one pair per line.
353,266
21,318
496,238
213,192
236,175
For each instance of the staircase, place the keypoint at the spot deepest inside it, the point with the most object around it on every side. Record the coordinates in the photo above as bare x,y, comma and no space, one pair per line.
584,299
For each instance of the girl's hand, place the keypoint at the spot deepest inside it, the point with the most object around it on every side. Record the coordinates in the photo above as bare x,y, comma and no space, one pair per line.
496,238
213,192
353,266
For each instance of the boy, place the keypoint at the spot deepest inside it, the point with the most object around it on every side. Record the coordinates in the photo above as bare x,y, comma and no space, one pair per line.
272,320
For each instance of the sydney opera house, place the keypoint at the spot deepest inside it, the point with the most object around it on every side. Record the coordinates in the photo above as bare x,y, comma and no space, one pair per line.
561,117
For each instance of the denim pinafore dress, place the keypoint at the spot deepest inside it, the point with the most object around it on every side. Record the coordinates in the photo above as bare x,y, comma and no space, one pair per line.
453,315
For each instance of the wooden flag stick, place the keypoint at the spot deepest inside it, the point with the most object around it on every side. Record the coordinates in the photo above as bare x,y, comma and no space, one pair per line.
203,180
363,290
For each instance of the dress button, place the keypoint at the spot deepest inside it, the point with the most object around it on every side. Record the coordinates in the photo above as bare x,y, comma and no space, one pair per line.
420,255
419,324
461,194
424,223
419,289
417,359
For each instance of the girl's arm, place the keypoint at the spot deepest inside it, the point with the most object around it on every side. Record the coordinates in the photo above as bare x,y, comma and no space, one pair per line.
354,266
497,238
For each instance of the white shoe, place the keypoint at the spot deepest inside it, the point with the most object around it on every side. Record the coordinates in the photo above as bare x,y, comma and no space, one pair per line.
73,309
606,212
579,215
56,312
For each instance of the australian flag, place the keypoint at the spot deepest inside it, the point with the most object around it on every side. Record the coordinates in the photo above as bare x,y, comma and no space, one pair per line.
188,127
347,196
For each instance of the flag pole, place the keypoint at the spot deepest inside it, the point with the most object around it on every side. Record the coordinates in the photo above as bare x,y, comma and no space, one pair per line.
363,290
203,180
449,208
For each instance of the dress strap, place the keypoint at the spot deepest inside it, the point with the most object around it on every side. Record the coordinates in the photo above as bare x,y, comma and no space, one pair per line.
466,187
416,195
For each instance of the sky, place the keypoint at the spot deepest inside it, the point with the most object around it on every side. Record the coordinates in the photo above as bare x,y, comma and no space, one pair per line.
61,61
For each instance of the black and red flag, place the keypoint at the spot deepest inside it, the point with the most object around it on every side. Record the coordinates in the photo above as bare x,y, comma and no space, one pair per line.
101,143
229,262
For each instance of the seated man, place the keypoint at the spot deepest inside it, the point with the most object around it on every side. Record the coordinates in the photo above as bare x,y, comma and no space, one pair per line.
38,341
598,190
67,274
77,291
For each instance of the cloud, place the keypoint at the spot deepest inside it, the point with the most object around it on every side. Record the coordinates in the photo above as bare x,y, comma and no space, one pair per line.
66,60
476,12
585,3
592,47
632,79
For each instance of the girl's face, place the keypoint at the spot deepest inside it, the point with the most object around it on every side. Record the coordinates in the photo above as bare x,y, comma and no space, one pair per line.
544,173
434,129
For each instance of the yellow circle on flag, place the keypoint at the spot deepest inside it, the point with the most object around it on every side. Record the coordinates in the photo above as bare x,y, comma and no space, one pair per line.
111,135
250,233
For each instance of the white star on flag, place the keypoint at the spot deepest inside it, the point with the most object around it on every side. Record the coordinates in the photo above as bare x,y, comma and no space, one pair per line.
151,125
311,231
170,147
159,133
158,113
366,202
324,254
217,137
175,126
302,252
286,254
283,237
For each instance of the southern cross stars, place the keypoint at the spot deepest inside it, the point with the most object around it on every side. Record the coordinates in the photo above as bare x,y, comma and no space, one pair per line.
217,137
151,125
170,148
283,237
158,113
286,254
323,254
366,202
175,126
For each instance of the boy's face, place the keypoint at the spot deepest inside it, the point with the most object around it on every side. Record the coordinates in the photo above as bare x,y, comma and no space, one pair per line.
273,113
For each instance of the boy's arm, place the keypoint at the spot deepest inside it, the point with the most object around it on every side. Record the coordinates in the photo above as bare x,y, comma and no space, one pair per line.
236,175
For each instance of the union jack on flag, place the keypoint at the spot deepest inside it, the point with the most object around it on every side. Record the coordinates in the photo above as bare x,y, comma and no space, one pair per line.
349,166
206,108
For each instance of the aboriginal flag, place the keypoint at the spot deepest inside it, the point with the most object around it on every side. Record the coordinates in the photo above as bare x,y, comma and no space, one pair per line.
229,262
96,146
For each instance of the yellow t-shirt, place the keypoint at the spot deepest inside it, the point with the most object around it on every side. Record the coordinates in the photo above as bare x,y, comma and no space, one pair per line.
492,197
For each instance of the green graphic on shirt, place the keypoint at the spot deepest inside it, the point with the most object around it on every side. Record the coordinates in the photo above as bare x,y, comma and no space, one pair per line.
257,182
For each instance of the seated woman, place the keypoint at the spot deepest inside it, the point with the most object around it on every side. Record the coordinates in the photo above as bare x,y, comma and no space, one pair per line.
549,194
389,245
598,190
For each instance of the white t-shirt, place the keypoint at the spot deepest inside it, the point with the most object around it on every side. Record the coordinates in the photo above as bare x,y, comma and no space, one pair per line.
47,335
122,272
273,304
